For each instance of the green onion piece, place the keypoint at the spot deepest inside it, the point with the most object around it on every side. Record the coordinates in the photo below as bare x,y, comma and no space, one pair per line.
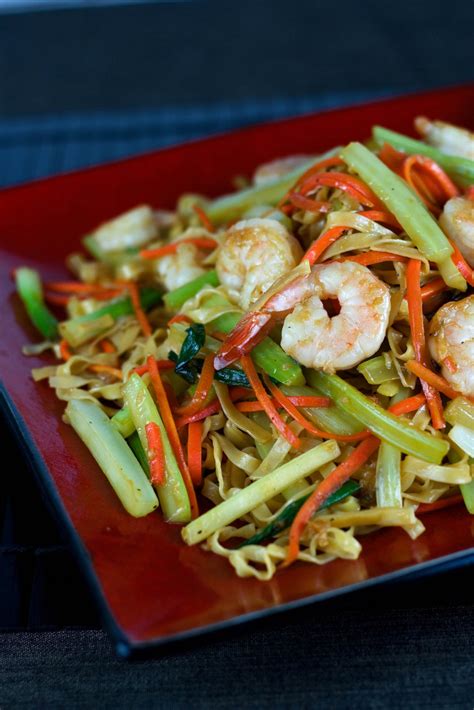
123,422
231,207
78,330
401,201
288,514
172,494
175,299
376,371
461,169
467,490
388,489
28,285
394,430
460,411
259,492
114,457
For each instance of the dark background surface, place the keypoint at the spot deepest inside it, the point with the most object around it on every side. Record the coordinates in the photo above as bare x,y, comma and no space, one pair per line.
82,86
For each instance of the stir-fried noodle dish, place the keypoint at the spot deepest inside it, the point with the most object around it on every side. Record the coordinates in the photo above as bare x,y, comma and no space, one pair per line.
287,368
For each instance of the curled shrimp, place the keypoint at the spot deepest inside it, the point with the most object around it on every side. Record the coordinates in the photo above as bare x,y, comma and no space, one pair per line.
186,264
309,334
451,343
451,139
277,168
457,221
255,253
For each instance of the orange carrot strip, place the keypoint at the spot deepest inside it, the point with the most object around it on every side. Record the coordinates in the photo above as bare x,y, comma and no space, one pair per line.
439,504
317,167
156,454
179,318
56,299
290,408
328,486
107,346
348,183
202,390
170,426
417,328
195,452
410,404
318,247
461,264
469,192
114,371
162,364
208,411
137,307
392,158
373,257
381,216
64,350
266,402
305,203
76,287
205,221
436,381
200,242
432,288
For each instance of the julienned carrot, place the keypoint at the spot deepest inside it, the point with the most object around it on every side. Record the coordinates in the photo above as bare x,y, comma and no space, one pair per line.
439,504
205,221
432,288
202,390
392,158
264,399
381,216
107,346
200,242
156,454
170,426
438,177
74,287
373,257
306,203
179,318
316,168
436,381
137,307
161,364
330,484
461,264
417,329
194,451
290,408
64,350
322,243
107,369
348,183
56,299
410,404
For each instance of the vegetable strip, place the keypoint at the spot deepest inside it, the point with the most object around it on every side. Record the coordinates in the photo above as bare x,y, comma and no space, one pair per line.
322,243
202,391
195,430
436,381
199,242
157,454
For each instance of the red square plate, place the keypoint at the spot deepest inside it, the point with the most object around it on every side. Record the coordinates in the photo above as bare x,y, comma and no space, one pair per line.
150,586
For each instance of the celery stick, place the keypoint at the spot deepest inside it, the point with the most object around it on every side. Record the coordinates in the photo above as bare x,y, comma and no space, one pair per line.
123,422
140,454
387,481
376,371
175,299
450,274
78,330
457,167
28,285
394,430
402,202
463,437
460,411
467,490
172,494
114,457
326,418
231,207
259,492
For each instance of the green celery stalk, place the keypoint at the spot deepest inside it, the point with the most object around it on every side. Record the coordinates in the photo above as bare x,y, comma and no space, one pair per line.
457,167
394,430
402,202
28,285
460,411
259,492
172,494
78,330
376,371
114,457
123,422
288,514
388,489
467,490
175,299
231,207
329,418
140,454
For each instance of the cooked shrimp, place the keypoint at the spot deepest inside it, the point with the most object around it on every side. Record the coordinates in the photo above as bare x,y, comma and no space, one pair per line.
448,138
451,343
279,167
184,265
315,340
457,220
255,253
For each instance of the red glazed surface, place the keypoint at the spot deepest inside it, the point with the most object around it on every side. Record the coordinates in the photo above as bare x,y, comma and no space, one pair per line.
154,586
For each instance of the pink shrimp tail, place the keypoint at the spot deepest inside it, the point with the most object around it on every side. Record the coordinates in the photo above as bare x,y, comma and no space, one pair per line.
248,332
